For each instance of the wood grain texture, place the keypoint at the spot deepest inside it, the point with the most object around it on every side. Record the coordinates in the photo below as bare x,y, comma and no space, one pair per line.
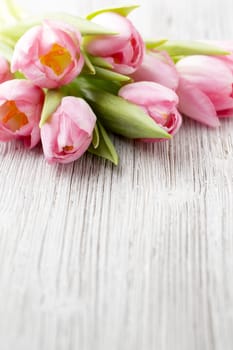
138,257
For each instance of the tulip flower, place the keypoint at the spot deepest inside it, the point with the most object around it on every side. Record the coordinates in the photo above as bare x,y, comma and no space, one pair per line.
49,54
21,103
67,134
228,60
5,73
124,51
224,45
159,102
158,67
205,89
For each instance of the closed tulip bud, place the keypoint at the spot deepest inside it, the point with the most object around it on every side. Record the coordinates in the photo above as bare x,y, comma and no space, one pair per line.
5,73
227,59
157,67
49,54
205,89
124,51
21,103
224,45
67,134
159,102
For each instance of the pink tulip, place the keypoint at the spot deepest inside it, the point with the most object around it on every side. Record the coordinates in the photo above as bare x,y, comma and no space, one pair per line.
5,73
123,51
159,102
68,132
205,89
49,54
225,45
227,59
21,103
158,67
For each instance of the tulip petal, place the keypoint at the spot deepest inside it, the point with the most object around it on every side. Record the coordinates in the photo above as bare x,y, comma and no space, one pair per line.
49,55
21,104
83,109
20,89
153,93
207,73
107,45
223,103
5,73
68,132
123,51
228,113
155,68
196,105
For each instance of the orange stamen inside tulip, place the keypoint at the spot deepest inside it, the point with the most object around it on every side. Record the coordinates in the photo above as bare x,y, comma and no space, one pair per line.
68,148
165,116
58,59
11,116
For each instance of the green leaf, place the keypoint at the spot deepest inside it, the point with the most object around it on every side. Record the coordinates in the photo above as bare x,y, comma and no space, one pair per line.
117,114
6,51
105,147
186,48
15,31
100,62
52,101
19,75
9,13
88,68
123,11
84,26
96,137
85,80
177,58
150,45
106,74
13,10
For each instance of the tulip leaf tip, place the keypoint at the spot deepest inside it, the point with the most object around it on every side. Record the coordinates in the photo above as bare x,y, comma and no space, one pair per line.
153,44
123,11
52,101
96,137
180,48
105,147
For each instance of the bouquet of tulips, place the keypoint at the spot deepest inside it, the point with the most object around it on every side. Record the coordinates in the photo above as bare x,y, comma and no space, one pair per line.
67,82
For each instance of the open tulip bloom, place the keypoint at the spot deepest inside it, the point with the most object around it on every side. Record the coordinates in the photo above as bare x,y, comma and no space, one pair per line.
67,83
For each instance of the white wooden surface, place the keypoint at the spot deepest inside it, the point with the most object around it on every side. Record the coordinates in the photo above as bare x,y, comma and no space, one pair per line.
138,257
